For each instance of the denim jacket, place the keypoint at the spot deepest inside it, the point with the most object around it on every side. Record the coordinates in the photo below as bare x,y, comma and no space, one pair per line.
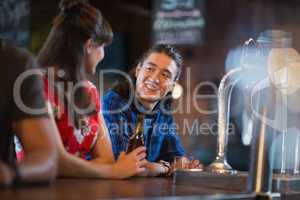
160,135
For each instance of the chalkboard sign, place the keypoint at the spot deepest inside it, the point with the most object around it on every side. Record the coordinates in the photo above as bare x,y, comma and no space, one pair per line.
178,22
14,21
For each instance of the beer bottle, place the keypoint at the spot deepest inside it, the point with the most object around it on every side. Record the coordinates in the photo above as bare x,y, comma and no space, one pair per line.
137,139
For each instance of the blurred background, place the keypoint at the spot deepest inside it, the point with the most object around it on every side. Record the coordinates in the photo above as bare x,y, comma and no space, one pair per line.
205,31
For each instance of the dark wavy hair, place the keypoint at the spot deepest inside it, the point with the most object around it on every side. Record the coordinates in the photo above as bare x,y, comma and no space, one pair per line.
64,48
123,87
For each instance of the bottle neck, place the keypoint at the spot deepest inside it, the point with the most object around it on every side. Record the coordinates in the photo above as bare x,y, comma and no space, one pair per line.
139,125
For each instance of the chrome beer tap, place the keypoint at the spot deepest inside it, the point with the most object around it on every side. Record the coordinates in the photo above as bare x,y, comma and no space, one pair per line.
228,82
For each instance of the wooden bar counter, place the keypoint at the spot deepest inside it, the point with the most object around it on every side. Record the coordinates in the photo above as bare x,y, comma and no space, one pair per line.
140,188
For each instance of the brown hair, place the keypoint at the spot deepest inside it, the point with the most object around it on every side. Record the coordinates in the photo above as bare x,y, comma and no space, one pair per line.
76,22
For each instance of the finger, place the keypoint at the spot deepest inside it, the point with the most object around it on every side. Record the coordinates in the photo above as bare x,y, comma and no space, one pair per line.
141,169
141,156
194,164
139,150
199,166
186,165
143,162
186,162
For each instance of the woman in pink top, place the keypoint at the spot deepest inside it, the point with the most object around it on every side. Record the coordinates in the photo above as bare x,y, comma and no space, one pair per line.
72,51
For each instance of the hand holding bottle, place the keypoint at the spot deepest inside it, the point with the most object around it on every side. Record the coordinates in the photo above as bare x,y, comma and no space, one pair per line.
130,164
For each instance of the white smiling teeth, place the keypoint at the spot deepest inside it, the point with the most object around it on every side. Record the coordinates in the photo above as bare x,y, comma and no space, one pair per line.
151,86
